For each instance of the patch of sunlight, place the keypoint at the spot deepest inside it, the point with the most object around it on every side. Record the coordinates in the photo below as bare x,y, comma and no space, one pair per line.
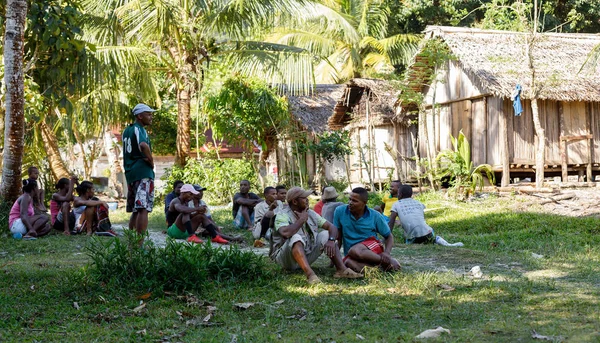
544,274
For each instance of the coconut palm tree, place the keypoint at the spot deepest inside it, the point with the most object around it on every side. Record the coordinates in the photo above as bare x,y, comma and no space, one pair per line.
16,13
187,36
351,38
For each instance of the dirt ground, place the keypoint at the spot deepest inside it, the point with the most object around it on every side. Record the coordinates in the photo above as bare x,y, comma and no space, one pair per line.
574,202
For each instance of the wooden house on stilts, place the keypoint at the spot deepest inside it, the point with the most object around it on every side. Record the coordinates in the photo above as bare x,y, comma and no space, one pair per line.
472,92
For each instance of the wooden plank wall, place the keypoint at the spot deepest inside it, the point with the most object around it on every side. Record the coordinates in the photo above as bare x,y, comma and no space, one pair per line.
461,118
550,118
576,124
479,132
494,111
594,114
523,135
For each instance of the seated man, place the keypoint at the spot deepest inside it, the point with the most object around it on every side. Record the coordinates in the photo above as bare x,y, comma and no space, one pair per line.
330,203
243,206
182,222
263,212
297,241
91,214
360,226
62,218
390,199
174,194
207,219
412,218
281,193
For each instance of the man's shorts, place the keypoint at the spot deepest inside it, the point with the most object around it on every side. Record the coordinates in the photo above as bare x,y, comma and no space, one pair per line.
372,244
239,220
140,195
427,239
174,232
18,227
285,258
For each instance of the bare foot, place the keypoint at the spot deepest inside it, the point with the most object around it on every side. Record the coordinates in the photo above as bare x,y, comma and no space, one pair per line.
66,233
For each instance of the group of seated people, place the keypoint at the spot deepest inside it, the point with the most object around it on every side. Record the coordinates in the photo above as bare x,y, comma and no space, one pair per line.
70,214
188,216
299,235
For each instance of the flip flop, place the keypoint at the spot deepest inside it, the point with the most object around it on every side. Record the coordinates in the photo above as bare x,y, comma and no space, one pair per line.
29,238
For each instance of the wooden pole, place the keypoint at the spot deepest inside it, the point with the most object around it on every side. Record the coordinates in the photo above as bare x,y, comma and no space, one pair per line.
589,175
504,153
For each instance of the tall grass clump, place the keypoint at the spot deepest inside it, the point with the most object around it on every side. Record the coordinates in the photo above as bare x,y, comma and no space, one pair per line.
178,267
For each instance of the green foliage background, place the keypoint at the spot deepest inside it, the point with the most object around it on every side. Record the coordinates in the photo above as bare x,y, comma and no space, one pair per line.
221,177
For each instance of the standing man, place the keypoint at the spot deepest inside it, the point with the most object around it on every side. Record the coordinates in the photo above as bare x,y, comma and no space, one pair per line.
360,226
139,168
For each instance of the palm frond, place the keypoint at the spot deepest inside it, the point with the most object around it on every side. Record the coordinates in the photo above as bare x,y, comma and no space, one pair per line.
279,65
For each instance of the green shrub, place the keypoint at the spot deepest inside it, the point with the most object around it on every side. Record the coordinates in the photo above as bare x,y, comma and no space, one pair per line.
176,267
374,199
221,177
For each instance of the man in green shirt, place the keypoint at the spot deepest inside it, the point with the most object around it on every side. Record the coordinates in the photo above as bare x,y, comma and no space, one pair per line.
139,168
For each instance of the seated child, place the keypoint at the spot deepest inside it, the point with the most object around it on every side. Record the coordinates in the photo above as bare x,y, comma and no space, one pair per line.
60,206
174,194
91,214
412,218
22,220
208,220
182,221
38,197
263,215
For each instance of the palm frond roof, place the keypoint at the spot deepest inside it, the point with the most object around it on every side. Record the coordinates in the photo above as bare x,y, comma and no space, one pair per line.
313,110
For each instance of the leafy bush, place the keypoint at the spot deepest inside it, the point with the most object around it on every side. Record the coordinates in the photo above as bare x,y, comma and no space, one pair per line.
374,199
457,164
177,267
221,177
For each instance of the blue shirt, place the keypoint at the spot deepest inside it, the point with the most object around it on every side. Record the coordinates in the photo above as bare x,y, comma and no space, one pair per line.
355,230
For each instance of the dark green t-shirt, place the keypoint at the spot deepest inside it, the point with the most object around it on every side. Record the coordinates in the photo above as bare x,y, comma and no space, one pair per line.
133,157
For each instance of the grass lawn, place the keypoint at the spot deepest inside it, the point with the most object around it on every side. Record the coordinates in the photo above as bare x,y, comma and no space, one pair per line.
556,295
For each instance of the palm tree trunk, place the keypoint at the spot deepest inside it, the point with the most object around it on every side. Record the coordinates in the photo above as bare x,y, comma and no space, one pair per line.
16,13
57,165
183,126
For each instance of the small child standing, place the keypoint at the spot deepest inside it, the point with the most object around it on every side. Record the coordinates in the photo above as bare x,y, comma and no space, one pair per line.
412,217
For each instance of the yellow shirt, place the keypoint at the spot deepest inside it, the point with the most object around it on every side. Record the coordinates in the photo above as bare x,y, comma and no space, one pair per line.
388,204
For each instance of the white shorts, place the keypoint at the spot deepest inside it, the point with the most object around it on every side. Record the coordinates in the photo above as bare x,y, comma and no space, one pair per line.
18,227
285,258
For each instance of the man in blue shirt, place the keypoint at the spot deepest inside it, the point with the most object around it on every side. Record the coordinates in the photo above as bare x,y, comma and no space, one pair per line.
359,226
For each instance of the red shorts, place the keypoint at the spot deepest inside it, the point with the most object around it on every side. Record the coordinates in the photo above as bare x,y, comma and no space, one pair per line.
373,244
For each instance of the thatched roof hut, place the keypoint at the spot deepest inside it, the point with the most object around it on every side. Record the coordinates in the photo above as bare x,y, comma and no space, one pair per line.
313,111
381,94
471,92
497,60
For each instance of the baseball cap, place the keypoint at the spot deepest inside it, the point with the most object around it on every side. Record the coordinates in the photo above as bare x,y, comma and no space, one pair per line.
297,192
199,188
188,188
141,108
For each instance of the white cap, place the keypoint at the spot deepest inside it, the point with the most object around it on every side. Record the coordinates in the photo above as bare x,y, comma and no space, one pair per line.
141,108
